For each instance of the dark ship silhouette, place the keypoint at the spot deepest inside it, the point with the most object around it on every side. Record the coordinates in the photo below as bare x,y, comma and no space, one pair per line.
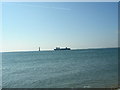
58,48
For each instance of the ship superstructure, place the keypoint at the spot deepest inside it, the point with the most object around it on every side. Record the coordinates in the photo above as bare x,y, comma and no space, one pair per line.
58,48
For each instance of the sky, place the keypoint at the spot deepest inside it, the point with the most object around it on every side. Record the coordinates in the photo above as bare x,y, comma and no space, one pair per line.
78,25
60,0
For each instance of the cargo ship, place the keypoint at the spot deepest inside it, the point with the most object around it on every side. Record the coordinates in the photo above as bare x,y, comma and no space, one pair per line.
58,48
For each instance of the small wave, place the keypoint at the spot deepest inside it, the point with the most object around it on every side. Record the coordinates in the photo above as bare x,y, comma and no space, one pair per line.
87,86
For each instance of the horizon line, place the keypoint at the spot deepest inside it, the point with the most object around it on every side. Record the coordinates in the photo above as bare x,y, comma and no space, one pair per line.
53,49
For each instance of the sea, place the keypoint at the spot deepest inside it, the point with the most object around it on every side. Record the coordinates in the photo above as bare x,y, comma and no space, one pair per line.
83,68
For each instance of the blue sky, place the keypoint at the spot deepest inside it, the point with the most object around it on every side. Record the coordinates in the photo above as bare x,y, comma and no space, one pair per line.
28,25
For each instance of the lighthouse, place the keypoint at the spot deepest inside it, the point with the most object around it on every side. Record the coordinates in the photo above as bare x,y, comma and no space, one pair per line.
39,48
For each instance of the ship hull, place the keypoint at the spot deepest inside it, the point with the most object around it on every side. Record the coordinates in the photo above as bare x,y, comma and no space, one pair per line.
62,49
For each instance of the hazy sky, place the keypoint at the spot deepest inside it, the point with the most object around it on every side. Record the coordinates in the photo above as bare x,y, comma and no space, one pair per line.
26,26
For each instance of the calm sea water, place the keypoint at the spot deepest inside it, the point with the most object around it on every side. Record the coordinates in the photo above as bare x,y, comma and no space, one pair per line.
93,68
